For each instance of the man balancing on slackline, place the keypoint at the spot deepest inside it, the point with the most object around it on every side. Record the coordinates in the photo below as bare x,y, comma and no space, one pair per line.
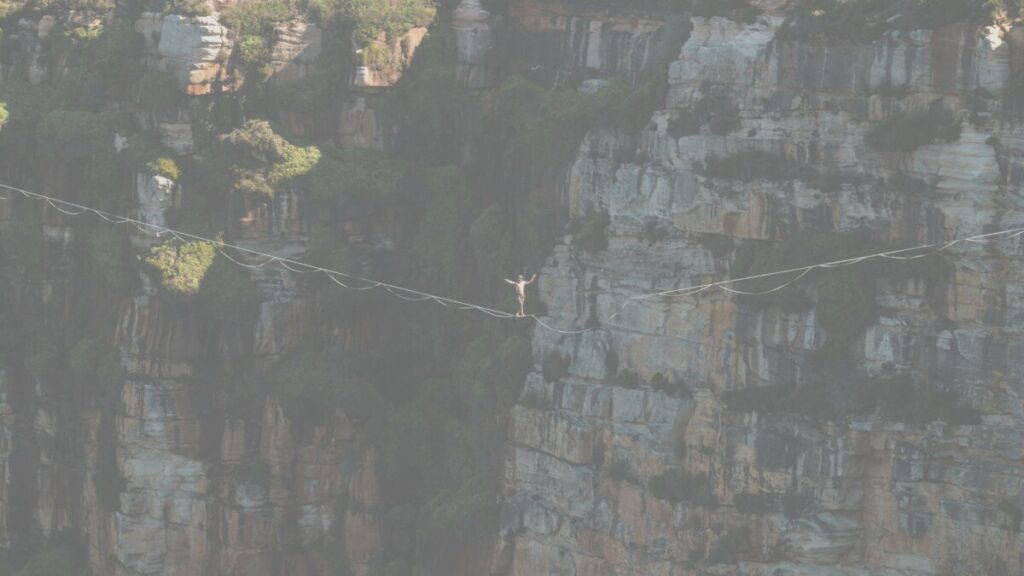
521,283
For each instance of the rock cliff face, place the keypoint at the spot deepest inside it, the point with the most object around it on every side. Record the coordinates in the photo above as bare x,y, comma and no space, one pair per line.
866,421
655,453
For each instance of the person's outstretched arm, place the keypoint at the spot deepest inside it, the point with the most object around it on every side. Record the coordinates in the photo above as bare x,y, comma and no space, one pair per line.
509,281
532,278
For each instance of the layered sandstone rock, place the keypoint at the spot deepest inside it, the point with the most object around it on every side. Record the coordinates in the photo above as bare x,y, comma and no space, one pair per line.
193,49
384,59
474,40
607,474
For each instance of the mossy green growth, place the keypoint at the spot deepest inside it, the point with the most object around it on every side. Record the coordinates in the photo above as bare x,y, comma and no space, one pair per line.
254,52
146,151
365,175
258,18
164,166
182,265
27,103
371,18
73,134
262,159
3,114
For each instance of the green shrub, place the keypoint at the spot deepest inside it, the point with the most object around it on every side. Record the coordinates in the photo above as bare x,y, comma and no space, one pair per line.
906,132
372,18
189,7
262,159
182,265
253,51
257,18
366,175
3,114
73,134
165,167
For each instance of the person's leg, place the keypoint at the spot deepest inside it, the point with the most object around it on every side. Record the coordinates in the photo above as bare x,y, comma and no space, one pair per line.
522,305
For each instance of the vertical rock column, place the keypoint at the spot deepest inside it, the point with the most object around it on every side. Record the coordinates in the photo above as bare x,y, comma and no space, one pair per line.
474,40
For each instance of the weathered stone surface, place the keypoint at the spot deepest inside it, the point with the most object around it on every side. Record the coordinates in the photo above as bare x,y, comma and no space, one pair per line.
297,46
193,49
398,53
680,478
474,40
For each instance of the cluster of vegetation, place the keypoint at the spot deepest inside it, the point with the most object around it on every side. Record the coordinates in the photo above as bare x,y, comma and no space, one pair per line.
908,131
181,265
3,114
146,151
370,18
261,159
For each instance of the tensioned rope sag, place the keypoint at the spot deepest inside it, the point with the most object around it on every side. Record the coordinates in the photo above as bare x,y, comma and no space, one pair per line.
350,281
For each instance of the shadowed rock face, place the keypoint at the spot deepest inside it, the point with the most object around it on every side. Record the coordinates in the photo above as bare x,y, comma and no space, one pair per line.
606,474
650,456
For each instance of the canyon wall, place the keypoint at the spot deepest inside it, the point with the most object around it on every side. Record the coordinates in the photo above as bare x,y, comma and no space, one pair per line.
866,420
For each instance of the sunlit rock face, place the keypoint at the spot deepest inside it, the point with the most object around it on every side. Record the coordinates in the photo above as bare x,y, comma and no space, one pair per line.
634,461
155,195
297,47
193,49
563,41
474,40
390,57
